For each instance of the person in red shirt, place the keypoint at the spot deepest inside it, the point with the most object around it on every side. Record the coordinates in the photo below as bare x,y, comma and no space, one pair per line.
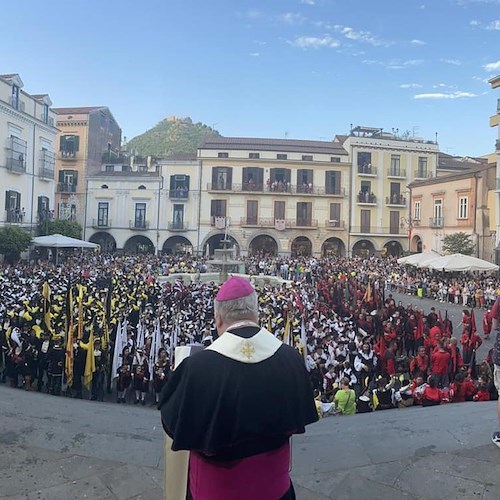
471,342
432,394
487,323
419,365
457,362
440,366
435,335
390,359
462,389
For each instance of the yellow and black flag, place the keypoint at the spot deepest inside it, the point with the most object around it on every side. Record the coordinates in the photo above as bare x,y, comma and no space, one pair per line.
46,306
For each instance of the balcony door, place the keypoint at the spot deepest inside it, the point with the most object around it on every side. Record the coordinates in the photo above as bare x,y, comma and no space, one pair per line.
394,222
178,214
365,221
252,211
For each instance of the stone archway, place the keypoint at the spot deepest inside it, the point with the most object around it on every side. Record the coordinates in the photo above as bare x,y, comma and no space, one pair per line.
333,246
363,248
392,248
416,244
214,242
301,247
105,241
139,244
263,244
177,245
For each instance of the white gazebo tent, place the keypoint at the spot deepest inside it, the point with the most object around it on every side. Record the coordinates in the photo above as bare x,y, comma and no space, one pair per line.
459,262
418,259
59,241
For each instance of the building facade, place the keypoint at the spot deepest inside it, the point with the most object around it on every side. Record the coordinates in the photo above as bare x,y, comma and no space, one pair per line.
27,156
273,196
88,136
452,204
495,122
145,208
383,164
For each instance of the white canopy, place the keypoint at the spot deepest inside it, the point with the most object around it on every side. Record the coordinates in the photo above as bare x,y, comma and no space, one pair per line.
459,262
60,241
418,259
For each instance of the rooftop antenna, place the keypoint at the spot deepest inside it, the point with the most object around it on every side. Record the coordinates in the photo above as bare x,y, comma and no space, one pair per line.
415,128
286,134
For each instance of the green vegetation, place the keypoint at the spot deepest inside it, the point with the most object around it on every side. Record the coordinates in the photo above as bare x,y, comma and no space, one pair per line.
60,226
458,243
13,241
171,136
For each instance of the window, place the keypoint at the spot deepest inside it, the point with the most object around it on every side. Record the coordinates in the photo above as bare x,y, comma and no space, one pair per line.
334,220
217,210
332,182
281,156
364,162
304,214
102,214
142,186
178,214
104,186
68,180
69,145
222,178
365,221
254,156
463,207
43,209
394,222
13,206
416,210
365,194
305,181
307,157
438,213
395,165
14,99
335,159
45,113
140,215
252,211
279,180
110,168
279,210
16,154
396,197
179,186
422,167
222,155
253,179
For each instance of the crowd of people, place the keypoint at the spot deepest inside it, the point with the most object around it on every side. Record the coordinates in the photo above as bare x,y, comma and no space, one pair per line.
99,324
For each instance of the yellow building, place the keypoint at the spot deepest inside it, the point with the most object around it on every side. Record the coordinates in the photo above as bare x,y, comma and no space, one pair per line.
87,137
28,136
452,204
495,122
274,196
383,164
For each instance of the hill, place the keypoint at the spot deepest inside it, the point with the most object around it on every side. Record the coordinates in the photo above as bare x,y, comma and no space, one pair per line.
172,135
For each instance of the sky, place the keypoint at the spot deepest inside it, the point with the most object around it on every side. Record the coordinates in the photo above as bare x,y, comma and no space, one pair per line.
302,69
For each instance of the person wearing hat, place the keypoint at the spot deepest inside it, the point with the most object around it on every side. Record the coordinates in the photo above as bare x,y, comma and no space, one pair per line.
236,404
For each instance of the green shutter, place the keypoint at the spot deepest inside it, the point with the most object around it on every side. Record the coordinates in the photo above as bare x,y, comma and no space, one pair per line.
75,177
172,182
77,142
61,176
187,182
7,198
62,141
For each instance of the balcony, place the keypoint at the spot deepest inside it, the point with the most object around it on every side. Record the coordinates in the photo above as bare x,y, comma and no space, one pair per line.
177,226
279,189
16,155
63,187
396,173
367,170
436,222
47,162
366,199
101,223
384,230
16,165
139,225
395,200
422,174
278,224
17,103
68,155
179,194
222,186
14,216
335,225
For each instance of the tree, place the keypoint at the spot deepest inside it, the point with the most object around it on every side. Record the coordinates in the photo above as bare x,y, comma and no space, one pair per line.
459,243
60,226
13,241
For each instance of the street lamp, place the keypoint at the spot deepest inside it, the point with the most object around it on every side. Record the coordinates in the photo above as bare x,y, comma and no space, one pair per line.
408,223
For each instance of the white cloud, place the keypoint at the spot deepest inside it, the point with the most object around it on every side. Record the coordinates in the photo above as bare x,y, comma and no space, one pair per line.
410,86
475,22
454,62
494,25
479,79
308,2
252,14
418,42
255,54
292,18
395,64
362,36
445,95
313,42
494,66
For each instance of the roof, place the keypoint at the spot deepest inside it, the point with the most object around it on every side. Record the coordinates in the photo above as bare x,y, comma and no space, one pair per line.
286,145
180,157
452,177
77,110
449,162
494,82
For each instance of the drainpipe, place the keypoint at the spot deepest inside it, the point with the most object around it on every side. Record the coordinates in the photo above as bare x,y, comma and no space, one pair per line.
351,205
86,207
160,188
200,169
32,179
475,215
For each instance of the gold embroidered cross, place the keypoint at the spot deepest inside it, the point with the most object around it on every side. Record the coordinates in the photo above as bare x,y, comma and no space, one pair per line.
247,350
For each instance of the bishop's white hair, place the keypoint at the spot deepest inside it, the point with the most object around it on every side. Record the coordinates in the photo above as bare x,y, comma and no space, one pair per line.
238,309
